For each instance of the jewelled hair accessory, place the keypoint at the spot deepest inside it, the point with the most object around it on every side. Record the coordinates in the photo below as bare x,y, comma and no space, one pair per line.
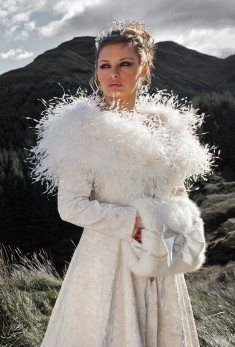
117,28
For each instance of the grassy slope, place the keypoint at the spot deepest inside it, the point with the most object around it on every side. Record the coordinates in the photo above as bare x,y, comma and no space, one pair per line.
28,291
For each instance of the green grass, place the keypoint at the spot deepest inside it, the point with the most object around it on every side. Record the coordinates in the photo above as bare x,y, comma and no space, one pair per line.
28,292
211,290
29,288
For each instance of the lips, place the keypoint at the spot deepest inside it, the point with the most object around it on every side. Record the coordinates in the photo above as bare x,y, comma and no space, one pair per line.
115,85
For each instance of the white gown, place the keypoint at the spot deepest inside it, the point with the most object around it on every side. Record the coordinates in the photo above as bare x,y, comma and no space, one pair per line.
136,316
100,161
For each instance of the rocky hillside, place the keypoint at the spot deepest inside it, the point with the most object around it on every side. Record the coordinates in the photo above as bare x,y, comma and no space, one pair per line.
29,219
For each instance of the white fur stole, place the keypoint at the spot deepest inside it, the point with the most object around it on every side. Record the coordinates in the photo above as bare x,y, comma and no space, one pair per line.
156,146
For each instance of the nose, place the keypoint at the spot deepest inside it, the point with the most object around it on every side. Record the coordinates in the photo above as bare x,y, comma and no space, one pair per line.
114,73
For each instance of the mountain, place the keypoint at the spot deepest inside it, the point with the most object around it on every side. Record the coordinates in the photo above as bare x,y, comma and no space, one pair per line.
29,219
183,70
189,72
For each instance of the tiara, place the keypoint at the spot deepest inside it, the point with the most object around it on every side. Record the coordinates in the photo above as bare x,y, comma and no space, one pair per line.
116,28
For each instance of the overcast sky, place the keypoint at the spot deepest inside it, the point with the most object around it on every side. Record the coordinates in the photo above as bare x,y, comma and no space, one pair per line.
29,28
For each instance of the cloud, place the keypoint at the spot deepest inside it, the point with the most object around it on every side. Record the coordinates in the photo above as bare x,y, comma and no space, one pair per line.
20,17
197,14
15,18
163,15
16,54
69,10
217,42
207,26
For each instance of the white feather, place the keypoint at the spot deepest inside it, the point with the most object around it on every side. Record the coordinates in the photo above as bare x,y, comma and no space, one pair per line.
156,146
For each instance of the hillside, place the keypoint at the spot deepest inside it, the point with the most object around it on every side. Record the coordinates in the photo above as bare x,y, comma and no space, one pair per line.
29,219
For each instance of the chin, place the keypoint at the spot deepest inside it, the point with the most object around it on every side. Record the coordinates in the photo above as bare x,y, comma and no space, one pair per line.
115,93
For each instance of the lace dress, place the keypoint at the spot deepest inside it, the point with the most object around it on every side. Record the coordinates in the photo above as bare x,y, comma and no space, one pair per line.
101,302
100,162
150,308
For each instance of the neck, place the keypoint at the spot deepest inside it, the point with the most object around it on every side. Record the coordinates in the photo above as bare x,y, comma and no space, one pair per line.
127,103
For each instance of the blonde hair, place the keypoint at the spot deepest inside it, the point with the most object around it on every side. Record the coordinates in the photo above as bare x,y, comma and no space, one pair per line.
134,34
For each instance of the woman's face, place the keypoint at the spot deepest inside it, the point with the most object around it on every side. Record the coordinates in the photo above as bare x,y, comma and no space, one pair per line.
119,71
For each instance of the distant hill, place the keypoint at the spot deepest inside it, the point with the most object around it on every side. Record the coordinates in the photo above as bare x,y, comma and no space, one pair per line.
28,219
183,70
189,72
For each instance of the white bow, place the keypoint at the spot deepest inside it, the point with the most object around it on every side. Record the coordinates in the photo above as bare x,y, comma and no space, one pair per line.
178,215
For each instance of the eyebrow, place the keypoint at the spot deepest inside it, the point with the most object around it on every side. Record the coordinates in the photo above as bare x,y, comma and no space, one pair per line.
120,59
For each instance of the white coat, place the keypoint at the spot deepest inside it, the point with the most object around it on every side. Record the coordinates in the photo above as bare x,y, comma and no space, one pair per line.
107,166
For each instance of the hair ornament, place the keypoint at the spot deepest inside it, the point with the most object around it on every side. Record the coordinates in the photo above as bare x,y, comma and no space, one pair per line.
118,27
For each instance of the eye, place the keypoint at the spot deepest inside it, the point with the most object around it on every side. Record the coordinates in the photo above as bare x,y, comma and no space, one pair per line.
103,66
126,63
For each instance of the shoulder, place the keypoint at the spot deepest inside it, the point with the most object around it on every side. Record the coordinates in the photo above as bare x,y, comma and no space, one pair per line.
63,138
67,123
68,111
177,124
165,109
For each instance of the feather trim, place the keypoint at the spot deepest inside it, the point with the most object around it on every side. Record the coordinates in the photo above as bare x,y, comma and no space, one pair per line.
156,146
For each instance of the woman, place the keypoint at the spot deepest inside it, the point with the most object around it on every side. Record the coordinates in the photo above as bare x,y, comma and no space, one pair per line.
120,161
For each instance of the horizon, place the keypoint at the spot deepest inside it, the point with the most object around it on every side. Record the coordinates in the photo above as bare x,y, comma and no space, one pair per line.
29,29
169,41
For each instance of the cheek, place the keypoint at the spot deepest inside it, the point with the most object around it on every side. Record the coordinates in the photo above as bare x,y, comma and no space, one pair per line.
131,75
102,75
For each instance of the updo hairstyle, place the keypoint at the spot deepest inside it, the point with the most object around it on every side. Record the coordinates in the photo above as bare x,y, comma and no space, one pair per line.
134,34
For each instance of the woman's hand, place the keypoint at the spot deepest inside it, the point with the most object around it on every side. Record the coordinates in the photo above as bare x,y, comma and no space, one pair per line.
138,222
137,235
137,229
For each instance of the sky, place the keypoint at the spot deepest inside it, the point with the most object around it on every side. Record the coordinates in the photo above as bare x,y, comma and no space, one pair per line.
29,28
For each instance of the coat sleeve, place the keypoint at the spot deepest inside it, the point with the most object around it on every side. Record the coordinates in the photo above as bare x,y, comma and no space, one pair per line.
184,250
75,206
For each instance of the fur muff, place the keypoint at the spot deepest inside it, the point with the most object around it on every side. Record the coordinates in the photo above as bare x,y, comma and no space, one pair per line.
176,214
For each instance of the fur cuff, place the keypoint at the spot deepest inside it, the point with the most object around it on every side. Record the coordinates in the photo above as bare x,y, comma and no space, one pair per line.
175,214
153,242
